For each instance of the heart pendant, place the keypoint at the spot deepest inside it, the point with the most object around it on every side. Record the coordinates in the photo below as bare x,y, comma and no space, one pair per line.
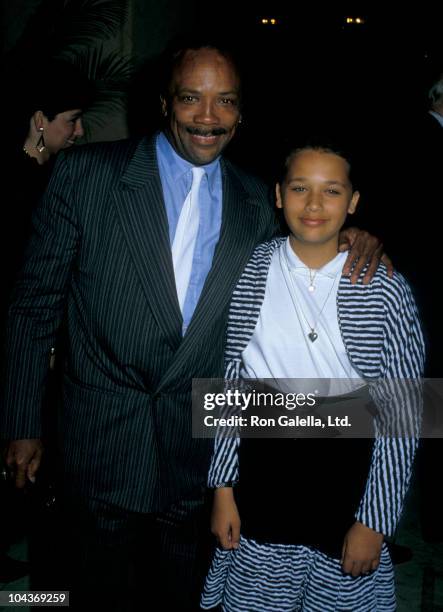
312,336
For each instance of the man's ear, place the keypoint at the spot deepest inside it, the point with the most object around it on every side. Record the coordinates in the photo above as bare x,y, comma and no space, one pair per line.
278,198
354,201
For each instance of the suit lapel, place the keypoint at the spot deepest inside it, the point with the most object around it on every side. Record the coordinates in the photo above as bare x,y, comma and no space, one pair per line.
140,206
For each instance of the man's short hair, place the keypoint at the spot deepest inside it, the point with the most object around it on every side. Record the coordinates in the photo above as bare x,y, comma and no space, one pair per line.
177,49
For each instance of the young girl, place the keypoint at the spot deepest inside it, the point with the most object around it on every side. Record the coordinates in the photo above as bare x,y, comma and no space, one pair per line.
301,523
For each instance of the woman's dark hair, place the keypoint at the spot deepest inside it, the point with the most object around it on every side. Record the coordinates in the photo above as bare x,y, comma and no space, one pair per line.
62,88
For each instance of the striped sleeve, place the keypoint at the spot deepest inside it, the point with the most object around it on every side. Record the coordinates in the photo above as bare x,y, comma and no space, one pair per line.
244,311
223,471
399,402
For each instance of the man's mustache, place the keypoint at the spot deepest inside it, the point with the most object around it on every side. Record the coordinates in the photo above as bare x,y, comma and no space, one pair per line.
199,132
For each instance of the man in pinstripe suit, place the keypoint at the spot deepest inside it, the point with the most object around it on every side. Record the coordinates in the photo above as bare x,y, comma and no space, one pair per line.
100,258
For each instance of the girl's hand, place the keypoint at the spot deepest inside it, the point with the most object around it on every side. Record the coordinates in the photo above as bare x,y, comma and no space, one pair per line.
361,550
225,519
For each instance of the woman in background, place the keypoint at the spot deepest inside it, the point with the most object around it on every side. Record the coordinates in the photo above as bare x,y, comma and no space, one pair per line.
43,117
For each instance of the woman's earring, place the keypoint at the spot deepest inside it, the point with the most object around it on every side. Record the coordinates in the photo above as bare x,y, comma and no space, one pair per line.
40,145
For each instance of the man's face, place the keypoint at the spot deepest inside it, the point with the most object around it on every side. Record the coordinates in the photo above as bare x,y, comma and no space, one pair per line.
203,110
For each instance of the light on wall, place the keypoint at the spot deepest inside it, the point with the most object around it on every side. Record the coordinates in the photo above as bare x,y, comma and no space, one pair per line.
269,21
355,20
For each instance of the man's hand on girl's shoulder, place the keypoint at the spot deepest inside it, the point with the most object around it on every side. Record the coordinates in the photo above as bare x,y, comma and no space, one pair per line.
364,249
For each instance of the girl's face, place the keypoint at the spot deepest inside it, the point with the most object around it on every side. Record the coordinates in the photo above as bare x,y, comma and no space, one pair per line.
316,196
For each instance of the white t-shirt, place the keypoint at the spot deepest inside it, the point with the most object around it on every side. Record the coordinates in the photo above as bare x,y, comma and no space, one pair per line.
280,347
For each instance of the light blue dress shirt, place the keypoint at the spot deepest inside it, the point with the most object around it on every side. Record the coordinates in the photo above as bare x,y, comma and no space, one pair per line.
176,179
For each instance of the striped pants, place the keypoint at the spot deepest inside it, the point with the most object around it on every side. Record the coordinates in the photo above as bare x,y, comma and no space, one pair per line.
288,578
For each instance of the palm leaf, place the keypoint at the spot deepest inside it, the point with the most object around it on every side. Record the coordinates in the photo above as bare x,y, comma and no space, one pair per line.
74,30
100,64
84,21
57,24
111,74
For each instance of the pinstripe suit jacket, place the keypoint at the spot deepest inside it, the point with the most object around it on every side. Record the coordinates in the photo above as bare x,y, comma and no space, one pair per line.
100,256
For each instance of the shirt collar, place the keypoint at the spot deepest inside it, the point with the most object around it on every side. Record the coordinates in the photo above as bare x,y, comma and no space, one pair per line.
179,167
330,269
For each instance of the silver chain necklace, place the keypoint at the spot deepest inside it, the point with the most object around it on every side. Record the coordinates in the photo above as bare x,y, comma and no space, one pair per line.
312,275
312,335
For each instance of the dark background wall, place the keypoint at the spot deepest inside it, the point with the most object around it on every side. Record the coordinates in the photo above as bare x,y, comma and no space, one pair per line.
308,69
310,73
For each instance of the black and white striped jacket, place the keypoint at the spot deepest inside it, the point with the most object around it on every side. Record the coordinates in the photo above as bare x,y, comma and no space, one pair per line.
381,332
